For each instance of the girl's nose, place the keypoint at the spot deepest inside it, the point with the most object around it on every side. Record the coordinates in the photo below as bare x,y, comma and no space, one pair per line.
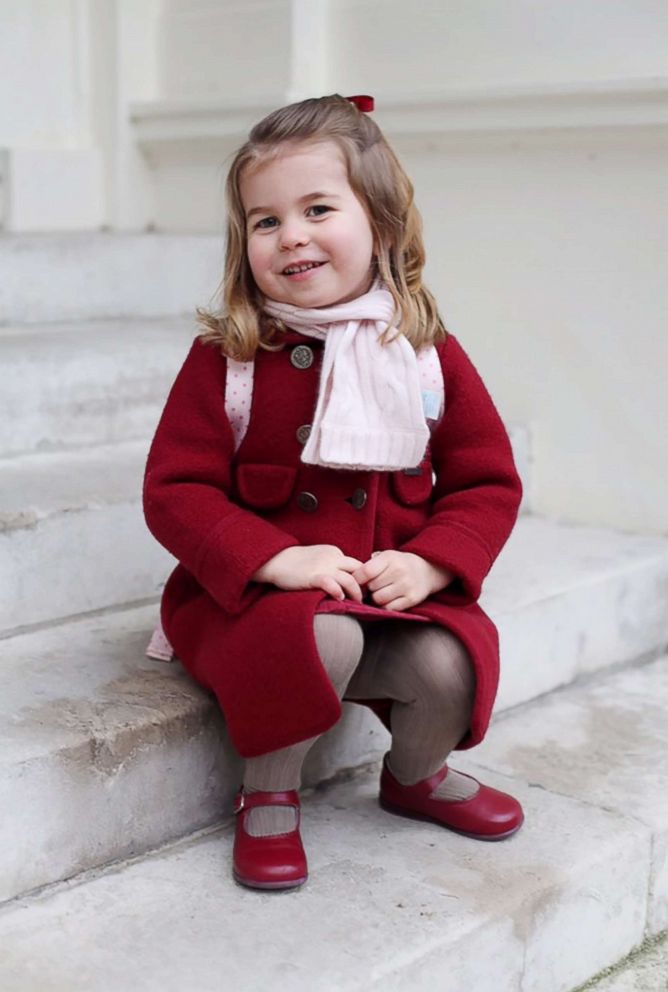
293,235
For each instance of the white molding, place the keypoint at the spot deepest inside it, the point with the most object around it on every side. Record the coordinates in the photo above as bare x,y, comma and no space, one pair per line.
614,104
618,104
164,122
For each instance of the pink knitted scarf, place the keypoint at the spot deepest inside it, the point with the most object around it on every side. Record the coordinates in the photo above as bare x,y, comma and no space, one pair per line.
369,411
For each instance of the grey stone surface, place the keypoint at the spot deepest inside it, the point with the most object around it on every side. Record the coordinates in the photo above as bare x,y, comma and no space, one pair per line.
72,535
390,904
646,971
103,753
45,485
90,382
605,744
569,600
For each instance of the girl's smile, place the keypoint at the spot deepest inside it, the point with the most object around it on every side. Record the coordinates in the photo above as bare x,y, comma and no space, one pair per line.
309,240
299,271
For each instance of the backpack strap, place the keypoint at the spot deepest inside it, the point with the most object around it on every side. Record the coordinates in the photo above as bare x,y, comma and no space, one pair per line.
238,397
432,385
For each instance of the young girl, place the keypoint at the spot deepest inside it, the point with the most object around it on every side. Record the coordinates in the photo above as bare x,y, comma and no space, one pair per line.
338,551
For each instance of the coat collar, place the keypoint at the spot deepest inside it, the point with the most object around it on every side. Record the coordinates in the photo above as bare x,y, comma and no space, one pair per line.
291,337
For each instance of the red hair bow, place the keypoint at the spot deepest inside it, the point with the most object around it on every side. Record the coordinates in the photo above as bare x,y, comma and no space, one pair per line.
363,103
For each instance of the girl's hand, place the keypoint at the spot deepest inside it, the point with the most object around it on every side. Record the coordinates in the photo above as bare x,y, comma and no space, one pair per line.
399,579
315,566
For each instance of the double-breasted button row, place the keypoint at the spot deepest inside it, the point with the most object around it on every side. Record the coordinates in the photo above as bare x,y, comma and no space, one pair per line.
303,433
302,356
307,502
358,499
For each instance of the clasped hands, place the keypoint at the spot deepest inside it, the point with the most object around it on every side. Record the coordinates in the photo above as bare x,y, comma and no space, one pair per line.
396,580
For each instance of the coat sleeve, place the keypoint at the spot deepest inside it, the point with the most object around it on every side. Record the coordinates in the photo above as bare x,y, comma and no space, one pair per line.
187,484
477,490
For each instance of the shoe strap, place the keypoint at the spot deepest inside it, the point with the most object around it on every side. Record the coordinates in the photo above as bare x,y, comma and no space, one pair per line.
432,783
249,800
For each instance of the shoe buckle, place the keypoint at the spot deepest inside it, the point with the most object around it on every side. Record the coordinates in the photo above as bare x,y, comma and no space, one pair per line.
238,802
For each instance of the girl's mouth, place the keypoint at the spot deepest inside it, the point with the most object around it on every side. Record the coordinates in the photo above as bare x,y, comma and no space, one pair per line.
302,270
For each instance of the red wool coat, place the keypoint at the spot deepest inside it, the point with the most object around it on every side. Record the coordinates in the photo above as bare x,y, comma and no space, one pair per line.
223,515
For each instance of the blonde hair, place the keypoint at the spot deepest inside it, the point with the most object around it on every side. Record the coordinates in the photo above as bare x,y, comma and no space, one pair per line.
383,188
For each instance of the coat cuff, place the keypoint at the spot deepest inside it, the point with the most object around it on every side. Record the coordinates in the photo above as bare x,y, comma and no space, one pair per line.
237,548
459,551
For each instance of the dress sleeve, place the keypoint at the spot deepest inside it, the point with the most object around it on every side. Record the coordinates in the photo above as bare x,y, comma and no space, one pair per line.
187,484
477,490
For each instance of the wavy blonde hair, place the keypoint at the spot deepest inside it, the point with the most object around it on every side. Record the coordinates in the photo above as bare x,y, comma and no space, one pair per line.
386,193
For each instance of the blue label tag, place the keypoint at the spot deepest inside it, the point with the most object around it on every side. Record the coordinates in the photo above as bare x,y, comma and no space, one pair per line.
431,404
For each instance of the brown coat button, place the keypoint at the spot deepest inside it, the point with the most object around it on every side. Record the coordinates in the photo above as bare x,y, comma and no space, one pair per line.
307,502
303,433
301,357
359,499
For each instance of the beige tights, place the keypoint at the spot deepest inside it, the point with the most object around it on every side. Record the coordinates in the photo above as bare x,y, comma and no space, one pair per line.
422,667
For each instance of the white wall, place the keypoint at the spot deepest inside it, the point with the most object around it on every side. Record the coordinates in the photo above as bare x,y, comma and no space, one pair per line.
550,262
227,49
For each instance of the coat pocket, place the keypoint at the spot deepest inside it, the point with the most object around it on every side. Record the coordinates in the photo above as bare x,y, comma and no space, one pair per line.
412,486
265,487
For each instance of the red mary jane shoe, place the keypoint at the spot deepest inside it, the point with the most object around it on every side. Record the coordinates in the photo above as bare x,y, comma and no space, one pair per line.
488,815
275,862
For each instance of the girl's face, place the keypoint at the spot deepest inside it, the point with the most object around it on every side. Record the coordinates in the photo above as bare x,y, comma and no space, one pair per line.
308,238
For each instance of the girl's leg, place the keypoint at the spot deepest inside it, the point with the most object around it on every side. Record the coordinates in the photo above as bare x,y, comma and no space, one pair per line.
427,672
340,643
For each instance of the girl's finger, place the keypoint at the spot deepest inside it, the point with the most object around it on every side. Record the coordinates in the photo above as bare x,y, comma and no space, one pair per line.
400,604
382,582
370,570
329,585
349,585
386,594
349,564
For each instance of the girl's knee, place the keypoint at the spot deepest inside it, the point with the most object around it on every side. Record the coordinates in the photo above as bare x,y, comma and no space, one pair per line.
440,666
340,642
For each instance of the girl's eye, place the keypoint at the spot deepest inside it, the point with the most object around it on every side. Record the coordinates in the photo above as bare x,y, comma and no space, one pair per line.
266,222
318,209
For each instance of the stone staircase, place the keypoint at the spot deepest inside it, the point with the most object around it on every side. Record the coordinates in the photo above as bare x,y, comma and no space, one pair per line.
116,773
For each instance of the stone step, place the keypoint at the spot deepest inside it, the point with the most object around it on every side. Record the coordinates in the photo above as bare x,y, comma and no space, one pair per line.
65,513
72,534
94,736
393,904
605,744
646,970
72,384
58,277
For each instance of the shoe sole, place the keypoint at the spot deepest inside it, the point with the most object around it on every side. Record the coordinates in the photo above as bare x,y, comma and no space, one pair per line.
252,884
412,815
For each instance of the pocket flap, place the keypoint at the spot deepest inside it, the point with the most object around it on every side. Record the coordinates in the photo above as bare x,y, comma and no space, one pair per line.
413,485
265,487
